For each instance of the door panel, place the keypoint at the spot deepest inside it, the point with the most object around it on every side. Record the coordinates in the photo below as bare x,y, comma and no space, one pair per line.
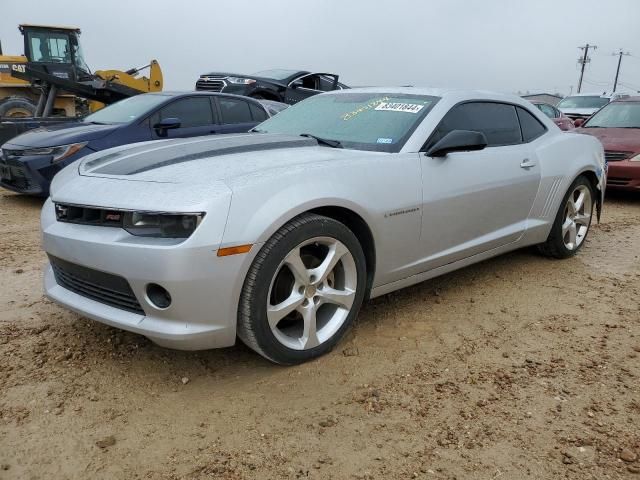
302,88
476,201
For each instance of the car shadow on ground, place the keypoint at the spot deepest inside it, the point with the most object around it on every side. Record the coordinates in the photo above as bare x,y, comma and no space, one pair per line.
12,199
622,196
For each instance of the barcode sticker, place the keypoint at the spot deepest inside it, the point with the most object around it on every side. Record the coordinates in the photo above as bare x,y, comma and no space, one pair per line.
400,107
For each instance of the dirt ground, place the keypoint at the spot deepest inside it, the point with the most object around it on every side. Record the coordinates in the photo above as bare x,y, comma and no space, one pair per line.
519,367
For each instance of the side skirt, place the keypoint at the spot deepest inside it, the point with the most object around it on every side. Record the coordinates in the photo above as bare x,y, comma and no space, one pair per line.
436,272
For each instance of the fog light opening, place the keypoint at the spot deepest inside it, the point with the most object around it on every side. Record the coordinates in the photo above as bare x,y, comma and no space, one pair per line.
158,296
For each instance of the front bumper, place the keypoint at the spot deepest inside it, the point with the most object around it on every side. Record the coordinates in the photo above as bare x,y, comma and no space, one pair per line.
32,175
624,175
204,288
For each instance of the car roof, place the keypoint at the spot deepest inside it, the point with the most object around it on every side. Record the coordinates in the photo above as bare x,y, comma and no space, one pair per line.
592,94
452,94
191,93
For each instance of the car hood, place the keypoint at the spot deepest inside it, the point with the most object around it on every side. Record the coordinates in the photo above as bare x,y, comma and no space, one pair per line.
209,159
225,74
619,139
243,75
61,134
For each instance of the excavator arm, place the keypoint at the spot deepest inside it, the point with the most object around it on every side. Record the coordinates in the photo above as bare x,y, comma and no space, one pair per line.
131,79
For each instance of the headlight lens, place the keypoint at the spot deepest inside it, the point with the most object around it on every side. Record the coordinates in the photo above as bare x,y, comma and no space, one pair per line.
164,225
240,80
59,153
635,159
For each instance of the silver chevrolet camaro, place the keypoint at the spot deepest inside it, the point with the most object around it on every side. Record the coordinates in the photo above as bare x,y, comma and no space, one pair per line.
279,235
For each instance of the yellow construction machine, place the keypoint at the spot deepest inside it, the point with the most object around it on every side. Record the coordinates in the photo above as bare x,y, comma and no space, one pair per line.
52,78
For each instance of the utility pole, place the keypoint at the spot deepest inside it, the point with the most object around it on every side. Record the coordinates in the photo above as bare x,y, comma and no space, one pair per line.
619,54
583,62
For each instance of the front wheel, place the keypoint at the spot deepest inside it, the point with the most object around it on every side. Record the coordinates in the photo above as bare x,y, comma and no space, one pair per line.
572,222
303,290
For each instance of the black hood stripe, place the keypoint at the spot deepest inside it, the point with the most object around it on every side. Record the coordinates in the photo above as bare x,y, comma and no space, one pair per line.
150,157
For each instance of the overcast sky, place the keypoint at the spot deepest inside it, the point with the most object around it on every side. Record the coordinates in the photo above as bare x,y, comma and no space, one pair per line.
503,45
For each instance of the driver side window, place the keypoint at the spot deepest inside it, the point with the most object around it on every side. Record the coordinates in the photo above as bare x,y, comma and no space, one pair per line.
192,112
498,121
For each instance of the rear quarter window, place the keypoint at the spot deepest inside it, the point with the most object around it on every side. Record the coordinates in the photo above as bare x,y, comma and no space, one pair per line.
531,127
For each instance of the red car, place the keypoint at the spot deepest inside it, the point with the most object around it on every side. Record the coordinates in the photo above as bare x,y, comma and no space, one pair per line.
559,118
617,126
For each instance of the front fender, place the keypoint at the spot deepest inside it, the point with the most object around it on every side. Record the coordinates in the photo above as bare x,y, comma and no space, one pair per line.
251,223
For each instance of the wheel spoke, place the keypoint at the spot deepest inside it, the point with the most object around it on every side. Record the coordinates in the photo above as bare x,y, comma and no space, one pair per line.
336,251
565,226
275,313
582,219
571,206
577,204
297,267
572,234
309,337
341,298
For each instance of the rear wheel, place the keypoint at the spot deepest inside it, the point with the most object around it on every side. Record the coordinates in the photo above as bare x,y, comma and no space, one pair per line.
16,107
572,223
303,290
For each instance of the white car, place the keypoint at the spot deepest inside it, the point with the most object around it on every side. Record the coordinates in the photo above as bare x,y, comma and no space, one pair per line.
277,237
582,105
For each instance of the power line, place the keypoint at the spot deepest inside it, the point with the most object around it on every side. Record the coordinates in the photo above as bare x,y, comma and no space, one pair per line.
582,61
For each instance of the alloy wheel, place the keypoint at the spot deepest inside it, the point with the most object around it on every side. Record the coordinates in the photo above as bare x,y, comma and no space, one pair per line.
577,217
312,293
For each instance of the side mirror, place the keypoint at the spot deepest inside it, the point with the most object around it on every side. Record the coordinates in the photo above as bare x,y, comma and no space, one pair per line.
166,124
458,141
578,122
296,84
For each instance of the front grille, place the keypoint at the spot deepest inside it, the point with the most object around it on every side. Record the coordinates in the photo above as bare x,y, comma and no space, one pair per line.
102,287
616,156
89,215
211,84
18,176
618,181
575,116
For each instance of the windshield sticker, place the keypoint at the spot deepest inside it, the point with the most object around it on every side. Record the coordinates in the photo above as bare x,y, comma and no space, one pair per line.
385,140
368,106
400,107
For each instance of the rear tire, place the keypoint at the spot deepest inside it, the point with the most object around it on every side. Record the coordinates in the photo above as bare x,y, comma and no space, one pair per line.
573,220
17,107
303,290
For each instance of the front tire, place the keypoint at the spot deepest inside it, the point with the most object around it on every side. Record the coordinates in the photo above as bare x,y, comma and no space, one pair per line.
17,107
572,222
303,290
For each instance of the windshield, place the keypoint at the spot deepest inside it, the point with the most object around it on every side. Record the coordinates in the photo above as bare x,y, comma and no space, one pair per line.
277,74
126,110
583,102
616,115
361,121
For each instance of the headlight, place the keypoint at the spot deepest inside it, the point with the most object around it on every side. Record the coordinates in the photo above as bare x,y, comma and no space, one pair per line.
59,153
240,80
635,159
165,225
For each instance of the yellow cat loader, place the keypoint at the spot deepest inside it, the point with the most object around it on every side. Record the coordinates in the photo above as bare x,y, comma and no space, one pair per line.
53,79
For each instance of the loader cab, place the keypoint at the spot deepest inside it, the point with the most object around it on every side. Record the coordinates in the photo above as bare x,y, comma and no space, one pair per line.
55,50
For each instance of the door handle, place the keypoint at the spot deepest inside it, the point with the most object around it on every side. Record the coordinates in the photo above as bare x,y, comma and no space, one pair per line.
526,163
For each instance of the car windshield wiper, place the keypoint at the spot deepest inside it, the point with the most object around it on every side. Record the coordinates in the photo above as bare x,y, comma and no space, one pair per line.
257,130
323,141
